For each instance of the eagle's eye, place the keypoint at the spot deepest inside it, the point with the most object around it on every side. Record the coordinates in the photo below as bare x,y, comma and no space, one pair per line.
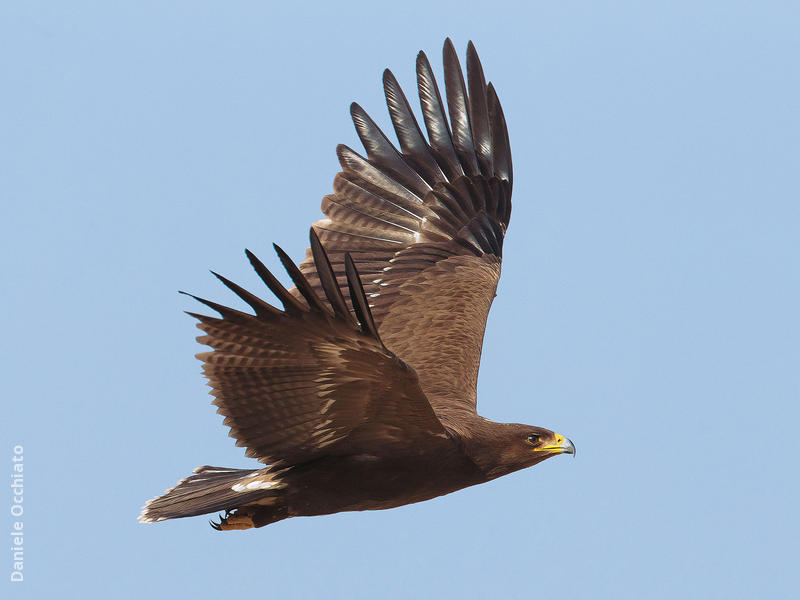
533,438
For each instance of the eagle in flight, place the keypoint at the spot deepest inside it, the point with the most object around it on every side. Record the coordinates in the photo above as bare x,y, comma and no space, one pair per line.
360,392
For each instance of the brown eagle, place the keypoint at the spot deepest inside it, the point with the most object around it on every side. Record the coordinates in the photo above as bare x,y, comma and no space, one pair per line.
360,394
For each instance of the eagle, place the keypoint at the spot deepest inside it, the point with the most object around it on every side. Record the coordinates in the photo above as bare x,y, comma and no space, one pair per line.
360,391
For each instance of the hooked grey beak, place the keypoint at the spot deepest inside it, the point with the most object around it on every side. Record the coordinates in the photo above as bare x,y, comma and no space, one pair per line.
562,445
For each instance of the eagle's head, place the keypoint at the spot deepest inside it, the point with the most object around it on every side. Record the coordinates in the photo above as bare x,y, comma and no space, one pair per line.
503,448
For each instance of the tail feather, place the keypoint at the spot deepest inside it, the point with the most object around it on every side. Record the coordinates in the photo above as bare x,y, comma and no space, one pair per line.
208,490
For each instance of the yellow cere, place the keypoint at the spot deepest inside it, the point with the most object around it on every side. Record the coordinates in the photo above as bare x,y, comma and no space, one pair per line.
560,445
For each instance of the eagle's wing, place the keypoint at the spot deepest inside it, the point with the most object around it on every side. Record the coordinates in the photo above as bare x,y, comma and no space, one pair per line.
314,378
425,224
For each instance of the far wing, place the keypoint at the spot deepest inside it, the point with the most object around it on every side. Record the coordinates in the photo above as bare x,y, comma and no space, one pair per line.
313,379
425,224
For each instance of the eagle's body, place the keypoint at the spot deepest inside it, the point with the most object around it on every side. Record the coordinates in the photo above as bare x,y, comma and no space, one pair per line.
365,482
361,393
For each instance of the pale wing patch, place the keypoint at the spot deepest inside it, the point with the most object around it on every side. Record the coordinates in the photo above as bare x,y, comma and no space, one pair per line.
259,482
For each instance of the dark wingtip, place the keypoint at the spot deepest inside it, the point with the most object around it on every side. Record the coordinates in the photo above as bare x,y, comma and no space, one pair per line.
327,277
449,48
252,258
290,304
198,298
300,281
358,299
261,308
472,53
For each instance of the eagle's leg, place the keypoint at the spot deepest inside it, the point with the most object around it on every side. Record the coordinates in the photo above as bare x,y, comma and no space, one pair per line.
256,514
234,520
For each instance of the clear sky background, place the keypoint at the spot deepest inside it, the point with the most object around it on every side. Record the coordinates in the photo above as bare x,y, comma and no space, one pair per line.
648,307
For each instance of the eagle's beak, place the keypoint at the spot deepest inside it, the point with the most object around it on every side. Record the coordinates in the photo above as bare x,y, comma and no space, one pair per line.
561,445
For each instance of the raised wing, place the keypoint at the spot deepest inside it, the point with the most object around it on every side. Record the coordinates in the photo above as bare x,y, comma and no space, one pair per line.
313,379
425,224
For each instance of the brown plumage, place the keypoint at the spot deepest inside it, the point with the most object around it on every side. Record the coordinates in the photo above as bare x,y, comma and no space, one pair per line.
360,394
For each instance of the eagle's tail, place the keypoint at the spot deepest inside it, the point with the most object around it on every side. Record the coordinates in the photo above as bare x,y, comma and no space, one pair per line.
208,490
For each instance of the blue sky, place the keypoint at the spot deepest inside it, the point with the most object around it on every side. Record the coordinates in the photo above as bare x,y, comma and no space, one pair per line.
648,307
